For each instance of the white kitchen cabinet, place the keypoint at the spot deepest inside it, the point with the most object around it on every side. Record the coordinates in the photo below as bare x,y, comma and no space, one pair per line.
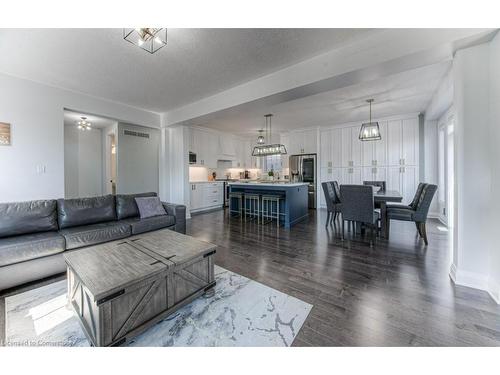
205,145
409,183
352,176
394,140
403,142
374,174
374,153
285,140
403,179
196,197
330,149
303,142
206,195
351,154
409,142
380,146
227,145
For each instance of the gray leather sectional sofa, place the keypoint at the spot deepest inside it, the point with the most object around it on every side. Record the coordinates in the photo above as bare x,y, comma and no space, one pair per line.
34,234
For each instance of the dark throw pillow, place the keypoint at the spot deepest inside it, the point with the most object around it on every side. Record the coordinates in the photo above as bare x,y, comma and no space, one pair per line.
149,207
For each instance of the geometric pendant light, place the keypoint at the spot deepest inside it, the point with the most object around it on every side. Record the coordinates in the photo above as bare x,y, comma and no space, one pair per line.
148,38
370,131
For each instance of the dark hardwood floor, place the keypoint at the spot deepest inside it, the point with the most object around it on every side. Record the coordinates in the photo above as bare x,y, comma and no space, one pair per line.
395,294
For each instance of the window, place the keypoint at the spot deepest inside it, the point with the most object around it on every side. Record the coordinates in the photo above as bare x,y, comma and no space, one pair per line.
272,162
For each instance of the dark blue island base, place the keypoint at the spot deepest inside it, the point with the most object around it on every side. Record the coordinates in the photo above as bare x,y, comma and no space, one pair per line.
294,204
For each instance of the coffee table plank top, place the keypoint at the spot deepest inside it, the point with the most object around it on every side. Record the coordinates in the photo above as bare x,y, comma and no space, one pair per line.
109,267
175,247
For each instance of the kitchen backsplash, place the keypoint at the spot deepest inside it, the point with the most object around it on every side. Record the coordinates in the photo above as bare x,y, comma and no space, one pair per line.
202,173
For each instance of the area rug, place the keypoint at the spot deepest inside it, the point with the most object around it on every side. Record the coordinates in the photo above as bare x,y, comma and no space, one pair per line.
241,312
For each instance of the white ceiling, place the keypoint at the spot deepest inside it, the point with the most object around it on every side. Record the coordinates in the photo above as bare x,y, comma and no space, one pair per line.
195,63
403,93
98,122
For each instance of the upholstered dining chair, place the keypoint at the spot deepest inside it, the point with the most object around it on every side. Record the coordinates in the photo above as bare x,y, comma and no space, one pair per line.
332,202
417,210
358,207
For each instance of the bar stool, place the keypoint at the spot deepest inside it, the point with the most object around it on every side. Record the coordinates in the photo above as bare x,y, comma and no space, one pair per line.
268,202
239,196
252,206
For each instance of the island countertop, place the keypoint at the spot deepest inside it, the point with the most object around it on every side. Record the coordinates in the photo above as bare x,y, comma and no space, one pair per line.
268,184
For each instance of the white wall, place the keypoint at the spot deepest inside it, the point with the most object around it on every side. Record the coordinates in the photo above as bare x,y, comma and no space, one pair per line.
83,162
35,112
476,221
494,137
137,160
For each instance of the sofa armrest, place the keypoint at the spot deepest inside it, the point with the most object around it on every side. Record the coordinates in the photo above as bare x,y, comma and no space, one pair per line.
179,212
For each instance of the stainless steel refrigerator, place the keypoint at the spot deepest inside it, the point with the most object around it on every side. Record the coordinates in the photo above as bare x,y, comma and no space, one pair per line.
303,169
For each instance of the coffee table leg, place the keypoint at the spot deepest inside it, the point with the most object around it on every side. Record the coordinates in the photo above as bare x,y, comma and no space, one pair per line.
383,220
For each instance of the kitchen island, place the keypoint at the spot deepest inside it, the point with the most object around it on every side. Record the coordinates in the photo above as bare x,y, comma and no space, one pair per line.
294,204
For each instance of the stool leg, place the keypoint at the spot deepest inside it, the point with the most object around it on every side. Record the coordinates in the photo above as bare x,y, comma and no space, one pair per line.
278,213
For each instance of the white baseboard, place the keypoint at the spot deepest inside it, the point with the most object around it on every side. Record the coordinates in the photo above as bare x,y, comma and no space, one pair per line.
476,281
437,216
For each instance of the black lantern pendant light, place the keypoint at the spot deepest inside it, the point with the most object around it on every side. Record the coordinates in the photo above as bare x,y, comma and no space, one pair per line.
370,131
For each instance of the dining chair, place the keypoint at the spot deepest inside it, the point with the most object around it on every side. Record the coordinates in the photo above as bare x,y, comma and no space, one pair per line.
358,207
417,210
332,202
413,203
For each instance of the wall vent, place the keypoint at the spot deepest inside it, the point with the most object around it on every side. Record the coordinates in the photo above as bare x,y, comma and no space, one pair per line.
135,134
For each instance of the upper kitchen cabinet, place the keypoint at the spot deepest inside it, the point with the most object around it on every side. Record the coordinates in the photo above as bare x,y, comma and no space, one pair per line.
205,144
375,152
303,142
402,142
351,147
227,145
330,148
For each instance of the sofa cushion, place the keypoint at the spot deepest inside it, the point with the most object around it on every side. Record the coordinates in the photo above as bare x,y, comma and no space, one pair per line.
127,207
151,223
29,246
87,235
150,207
27,217
83,211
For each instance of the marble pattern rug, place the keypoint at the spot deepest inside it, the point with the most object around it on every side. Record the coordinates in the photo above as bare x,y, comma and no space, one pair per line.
241,312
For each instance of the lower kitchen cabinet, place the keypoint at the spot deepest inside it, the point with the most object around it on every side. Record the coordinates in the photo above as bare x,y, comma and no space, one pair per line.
206,196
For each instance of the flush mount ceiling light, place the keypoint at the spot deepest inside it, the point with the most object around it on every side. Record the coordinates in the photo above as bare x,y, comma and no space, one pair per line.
83,124
148,38
370,131
268,148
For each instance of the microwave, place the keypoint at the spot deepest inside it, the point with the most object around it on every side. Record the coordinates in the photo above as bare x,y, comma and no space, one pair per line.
192,158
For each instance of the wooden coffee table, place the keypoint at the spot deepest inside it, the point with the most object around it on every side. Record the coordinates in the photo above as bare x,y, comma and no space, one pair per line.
121,288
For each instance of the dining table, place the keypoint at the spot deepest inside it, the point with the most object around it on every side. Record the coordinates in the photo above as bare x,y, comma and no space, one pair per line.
382,197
